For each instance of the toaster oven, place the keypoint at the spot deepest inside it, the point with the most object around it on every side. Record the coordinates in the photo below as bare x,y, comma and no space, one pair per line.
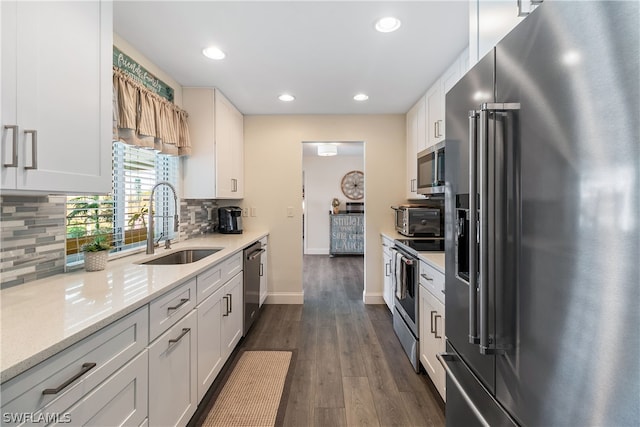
418,221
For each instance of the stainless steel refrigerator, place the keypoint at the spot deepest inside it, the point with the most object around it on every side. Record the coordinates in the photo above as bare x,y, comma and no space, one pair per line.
542,276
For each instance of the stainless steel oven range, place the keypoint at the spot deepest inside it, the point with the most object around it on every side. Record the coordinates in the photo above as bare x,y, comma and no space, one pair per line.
405,269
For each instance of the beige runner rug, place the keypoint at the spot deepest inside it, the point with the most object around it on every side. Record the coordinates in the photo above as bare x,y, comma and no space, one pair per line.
251,395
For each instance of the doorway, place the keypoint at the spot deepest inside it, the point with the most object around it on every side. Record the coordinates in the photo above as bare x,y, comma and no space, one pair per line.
332,204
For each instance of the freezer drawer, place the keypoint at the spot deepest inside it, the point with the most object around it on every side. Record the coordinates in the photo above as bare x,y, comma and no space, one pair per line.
469,403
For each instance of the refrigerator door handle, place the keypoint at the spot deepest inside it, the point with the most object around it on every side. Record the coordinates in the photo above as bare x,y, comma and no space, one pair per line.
473,213
484,231
487,345
444,358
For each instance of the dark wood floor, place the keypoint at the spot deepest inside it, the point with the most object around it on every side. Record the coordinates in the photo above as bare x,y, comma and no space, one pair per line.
350,369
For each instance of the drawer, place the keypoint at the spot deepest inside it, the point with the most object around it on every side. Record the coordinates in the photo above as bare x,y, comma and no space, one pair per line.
386,246
109,349
171,307
120,400
433,280
231,266
209,281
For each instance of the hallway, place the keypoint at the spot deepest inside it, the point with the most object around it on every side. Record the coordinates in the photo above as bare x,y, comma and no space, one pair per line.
350,369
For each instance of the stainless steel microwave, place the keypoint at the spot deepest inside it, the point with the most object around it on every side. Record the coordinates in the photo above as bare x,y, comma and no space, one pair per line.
431,170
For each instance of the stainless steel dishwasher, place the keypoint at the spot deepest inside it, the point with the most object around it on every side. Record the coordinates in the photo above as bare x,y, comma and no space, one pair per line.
251,284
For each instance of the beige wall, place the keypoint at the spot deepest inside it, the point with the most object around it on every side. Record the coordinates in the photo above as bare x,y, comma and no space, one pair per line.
273,182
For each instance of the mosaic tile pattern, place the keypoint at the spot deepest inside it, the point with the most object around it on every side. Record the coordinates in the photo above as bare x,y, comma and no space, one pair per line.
33,233
194,217
32,238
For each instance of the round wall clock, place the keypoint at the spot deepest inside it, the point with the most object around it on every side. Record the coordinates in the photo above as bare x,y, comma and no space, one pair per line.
353,185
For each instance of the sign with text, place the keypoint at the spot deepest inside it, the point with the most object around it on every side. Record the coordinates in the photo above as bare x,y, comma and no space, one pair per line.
124,62
347,234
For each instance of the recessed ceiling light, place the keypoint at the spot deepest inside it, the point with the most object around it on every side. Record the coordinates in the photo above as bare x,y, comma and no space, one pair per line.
361,97
213,53
387,24
286,97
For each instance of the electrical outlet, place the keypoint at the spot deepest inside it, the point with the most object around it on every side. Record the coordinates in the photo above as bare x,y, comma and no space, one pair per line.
290,211
192,217
253,211
245,212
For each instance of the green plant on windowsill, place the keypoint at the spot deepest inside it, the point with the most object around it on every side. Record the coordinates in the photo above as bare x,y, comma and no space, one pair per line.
96,253
99,243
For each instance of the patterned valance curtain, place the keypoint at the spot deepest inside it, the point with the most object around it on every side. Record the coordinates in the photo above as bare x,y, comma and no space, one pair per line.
144,119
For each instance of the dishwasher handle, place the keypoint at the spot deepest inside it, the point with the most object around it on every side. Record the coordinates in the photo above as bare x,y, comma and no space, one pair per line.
255,254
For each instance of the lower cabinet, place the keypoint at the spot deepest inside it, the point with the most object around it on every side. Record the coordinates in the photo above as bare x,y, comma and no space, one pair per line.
210,357
386,272
173,374
121,400
232,314
432,340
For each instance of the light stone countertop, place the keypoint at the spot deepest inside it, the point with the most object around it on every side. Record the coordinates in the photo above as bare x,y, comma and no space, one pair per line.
435,259
41,318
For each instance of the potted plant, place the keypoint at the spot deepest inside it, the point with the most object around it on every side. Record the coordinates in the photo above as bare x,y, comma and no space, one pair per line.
96,253
335,203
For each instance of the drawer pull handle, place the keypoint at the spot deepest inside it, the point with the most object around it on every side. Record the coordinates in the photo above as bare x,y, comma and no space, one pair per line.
182,302
185,331
230,303
226,305
435,321
86,367
427,277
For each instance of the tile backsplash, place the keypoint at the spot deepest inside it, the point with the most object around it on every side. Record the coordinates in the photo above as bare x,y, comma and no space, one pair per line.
32,239
33,233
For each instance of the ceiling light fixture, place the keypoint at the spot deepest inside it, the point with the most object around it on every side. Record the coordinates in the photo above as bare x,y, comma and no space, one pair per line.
213,53
387,24
285,97
361,97
327,150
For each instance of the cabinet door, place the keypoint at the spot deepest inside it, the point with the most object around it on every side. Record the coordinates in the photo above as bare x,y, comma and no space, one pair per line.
210,358
387,291
120,400
173,388
229,149
435,114
412,152
9,120
264,268
432,338
63,96
232,314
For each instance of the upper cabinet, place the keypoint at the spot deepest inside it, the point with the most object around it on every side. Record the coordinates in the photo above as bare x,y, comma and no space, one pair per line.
215,169
491,20
56,95
426,119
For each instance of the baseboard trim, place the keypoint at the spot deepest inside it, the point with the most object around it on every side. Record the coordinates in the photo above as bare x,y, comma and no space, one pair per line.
316,251
285,298
374,298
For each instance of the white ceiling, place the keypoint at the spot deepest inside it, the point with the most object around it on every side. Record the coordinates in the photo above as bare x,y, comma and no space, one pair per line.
322,52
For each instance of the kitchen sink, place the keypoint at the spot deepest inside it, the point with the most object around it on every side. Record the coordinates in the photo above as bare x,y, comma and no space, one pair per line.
185,256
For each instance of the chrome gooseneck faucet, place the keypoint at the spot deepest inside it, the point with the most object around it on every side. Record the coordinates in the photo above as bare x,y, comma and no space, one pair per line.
176,223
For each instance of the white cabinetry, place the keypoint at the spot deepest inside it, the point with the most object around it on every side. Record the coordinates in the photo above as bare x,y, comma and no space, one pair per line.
173,393
56,96
432,325
210,356
232,316
264,269
215,169
387,294
416,141
491,20
436,96
74,380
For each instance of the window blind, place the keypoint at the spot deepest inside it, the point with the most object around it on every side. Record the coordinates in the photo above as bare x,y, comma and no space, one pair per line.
123,214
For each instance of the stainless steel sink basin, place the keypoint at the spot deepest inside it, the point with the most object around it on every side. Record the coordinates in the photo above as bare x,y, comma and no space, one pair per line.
185,256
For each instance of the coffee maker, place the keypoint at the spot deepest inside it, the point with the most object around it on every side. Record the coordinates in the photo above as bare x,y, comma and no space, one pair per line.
230,220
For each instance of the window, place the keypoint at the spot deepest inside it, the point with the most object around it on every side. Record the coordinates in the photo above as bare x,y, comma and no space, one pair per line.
122,215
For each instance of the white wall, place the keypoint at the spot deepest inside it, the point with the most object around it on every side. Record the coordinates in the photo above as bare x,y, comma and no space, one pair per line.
323,176
273,182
